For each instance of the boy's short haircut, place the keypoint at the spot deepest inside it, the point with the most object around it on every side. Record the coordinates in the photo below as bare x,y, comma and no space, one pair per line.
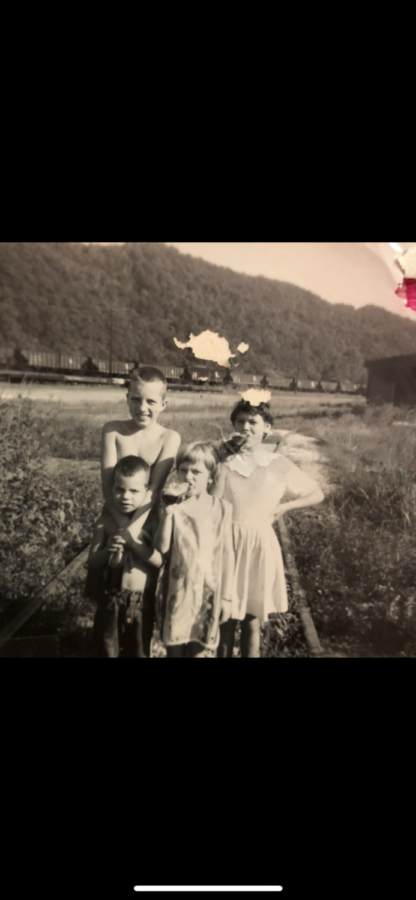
262,410
198,452
129,466
148,374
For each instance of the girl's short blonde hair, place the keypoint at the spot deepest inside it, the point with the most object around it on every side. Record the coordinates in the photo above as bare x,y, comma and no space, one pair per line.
199,452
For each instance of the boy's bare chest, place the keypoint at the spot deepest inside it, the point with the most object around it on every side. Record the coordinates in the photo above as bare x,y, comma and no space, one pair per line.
111,528
148,447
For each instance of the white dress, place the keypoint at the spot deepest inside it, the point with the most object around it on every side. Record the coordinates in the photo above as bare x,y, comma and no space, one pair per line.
255,484
197,575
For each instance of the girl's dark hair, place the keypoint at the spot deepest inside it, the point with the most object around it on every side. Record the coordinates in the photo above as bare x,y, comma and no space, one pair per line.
262,410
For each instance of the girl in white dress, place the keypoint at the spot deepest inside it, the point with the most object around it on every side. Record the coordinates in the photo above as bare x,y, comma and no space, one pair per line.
255,480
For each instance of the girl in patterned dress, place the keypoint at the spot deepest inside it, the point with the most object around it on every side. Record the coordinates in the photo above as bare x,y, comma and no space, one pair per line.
195,536
255,481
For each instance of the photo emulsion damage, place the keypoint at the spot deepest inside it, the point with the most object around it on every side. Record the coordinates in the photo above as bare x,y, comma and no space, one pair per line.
207,450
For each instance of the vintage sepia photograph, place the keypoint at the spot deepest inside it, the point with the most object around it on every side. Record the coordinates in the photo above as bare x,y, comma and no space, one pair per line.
207,450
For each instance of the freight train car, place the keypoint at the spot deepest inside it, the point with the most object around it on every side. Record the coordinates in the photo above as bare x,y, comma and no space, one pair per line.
246,380
113,367
6,357
173,374
44,366
329,387
280,383
303,385
204,374
346,387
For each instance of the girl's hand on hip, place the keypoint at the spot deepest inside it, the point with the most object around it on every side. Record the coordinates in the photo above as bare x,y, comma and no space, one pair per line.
280,512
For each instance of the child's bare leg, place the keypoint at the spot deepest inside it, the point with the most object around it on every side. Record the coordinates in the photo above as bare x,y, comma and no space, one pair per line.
195,651
106,632
250,638
177,652
227,636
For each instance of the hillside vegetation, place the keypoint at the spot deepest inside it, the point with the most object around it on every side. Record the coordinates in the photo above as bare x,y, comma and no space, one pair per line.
59,296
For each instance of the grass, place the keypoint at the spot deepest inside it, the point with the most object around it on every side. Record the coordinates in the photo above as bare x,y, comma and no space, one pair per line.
356,553
45,521
50,495
370,441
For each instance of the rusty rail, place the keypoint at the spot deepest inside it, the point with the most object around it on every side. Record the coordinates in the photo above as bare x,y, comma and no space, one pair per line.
48,593
311,636
60,582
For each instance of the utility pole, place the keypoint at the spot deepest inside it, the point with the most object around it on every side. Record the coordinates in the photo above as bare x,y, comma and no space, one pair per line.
299,358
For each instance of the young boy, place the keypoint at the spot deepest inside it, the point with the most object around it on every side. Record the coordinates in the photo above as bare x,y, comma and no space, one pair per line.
123,588
140,436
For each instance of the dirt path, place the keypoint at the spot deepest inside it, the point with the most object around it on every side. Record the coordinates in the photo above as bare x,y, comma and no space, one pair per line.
305,453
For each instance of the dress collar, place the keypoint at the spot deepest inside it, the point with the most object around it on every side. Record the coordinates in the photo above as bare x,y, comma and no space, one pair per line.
246,464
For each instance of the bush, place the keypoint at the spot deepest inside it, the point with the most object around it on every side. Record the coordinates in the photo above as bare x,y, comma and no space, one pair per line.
43,523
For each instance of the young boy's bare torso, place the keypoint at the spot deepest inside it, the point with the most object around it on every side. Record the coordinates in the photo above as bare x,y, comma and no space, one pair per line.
137,575
124,439
140,436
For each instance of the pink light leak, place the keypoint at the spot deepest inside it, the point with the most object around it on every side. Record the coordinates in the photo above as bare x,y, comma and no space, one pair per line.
407,292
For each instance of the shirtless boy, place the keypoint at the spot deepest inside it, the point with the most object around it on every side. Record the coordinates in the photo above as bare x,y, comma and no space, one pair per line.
141,436
122,582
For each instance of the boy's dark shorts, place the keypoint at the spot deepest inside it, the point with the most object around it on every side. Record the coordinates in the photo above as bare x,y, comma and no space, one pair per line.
123,625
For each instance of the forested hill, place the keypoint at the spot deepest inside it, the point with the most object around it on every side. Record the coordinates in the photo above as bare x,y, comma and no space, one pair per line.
59,296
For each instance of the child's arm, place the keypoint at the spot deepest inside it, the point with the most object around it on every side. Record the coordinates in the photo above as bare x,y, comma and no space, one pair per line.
108,462
228,565
163,536
146,554
312,499
164,465
98,556
153,556
304,490
101,550
218,487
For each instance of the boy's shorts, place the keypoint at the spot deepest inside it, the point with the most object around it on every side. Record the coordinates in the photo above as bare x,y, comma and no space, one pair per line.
123,625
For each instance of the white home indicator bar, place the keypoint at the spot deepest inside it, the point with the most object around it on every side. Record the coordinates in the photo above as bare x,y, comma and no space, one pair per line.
209,889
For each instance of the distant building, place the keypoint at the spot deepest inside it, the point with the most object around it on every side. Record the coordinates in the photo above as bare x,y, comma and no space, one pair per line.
392,380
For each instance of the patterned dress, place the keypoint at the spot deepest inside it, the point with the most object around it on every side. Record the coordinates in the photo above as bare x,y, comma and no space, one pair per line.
255,485
198,573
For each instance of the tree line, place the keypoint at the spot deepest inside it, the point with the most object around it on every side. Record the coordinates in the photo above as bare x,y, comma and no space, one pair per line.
63,296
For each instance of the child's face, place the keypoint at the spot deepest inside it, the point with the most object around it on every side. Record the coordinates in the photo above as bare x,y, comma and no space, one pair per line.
129,491
146,402
196,475
252,427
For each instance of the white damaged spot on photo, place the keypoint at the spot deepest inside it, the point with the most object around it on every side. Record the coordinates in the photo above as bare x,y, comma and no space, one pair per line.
210,346
256,396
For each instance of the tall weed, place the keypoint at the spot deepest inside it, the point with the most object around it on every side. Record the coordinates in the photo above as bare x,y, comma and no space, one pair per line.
357,556
44,523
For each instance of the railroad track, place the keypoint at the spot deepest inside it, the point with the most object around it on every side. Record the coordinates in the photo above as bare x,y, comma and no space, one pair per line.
51,591
59,584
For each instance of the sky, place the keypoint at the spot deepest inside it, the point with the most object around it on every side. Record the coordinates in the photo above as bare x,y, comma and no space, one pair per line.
358,274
